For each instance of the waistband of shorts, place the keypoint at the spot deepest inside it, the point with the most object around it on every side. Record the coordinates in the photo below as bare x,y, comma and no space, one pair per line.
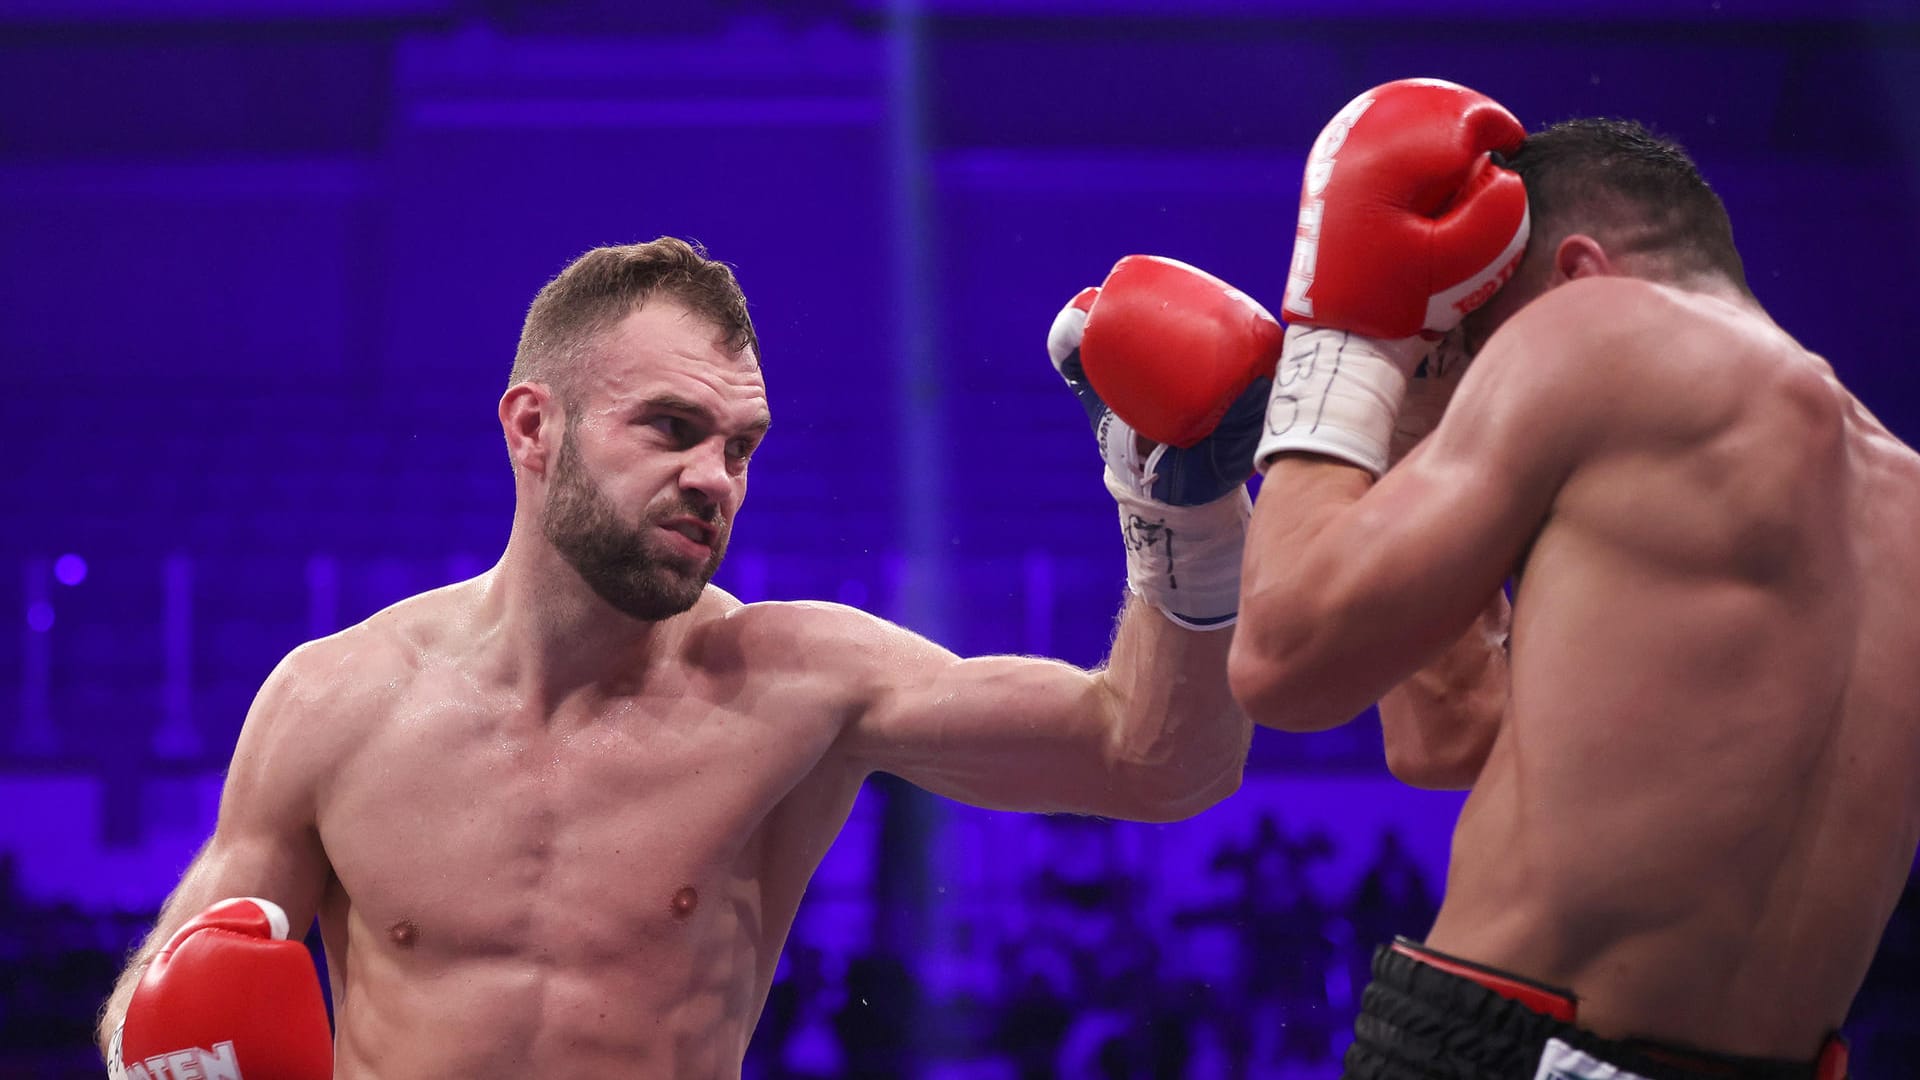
1563,1005
1546,1000
1831,1064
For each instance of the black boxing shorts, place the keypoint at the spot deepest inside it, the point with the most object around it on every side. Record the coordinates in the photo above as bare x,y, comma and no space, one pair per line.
1430,1016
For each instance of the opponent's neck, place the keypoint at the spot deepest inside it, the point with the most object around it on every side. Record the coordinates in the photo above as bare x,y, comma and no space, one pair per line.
1701,283
552,638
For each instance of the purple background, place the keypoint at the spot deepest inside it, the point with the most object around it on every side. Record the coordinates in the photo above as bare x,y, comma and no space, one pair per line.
262,267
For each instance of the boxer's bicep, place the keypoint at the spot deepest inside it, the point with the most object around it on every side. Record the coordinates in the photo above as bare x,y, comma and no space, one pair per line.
265,841
1003,732
244,860
267,827
1008,733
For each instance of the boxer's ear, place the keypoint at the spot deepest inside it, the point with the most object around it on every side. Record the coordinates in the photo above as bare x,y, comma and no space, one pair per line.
1581,256
530,419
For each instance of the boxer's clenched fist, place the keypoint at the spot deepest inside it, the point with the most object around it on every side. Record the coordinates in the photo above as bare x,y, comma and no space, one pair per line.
1169,347
1408,221
1191,354
228,995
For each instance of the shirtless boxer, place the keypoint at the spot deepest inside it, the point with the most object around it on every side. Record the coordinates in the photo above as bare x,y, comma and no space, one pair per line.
1692,818
555,821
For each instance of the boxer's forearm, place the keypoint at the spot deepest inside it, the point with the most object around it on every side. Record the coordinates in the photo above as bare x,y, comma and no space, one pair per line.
1178,736
114,1012
172,913
1290,667
1440,723
239,860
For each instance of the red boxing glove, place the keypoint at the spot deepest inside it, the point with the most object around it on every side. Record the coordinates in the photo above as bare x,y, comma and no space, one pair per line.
1168,347
1186,356
1406,223
228,996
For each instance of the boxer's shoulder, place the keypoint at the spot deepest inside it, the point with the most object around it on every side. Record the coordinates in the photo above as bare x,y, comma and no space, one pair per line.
1565,327
793,639
368,666
811,657
1639,357
1642,327
317,703
797,631
396,638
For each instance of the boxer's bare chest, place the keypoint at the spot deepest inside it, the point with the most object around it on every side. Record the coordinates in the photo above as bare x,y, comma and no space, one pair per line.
464,826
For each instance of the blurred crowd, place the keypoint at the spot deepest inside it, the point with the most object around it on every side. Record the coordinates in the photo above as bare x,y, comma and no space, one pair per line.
1262,984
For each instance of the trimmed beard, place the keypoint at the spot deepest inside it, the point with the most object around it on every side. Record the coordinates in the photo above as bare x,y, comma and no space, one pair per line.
623,565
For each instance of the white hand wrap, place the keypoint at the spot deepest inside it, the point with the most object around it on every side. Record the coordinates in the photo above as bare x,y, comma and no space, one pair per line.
1184,560
1337,394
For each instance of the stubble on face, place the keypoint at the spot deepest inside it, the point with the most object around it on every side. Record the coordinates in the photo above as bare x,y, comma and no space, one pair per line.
625,564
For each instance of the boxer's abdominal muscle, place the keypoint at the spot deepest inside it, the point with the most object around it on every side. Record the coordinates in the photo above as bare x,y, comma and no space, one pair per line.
567,895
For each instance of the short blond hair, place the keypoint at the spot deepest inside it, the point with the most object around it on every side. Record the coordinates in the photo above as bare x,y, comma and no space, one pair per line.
607,284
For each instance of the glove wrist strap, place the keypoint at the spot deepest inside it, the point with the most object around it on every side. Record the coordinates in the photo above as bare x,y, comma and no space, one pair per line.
1337,394
1185,560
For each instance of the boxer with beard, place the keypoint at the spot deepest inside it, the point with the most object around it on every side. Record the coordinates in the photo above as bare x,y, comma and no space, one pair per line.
556,821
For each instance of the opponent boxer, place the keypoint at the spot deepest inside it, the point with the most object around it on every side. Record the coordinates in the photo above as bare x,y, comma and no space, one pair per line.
1689,827
556,820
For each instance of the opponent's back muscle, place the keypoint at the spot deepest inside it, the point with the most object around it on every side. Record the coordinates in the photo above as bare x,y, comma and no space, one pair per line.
1699,762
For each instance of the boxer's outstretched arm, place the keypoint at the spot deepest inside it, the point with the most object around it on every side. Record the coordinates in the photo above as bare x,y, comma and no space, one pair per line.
1152,736
1155,735
264,841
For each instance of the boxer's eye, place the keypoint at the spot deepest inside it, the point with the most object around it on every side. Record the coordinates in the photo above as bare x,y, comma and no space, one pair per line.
676,429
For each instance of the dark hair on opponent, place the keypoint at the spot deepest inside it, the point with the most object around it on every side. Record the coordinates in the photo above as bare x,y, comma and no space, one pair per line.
1630,189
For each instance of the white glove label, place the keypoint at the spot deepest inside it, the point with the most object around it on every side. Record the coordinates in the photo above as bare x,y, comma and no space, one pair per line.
193,1063
1562,1062
1306,241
